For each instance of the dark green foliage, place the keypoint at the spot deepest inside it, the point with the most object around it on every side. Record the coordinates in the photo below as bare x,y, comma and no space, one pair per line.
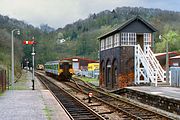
85,32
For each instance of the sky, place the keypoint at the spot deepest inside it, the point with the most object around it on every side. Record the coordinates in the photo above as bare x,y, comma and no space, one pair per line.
58,13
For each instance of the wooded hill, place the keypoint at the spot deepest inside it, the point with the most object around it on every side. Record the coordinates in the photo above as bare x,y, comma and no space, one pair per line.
21,52
83,33
80,37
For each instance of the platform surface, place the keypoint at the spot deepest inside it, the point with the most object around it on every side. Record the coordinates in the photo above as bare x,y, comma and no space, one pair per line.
22,103
168,92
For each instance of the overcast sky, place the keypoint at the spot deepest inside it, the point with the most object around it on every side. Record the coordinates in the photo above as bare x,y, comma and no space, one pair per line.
58,13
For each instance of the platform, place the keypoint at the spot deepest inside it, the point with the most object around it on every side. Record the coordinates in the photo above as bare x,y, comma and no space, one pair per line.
165,98
22,103
168,92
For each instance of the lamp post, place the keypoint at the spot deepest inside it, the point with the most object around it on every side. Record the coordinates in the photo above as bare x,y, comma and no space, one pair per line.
12,54
167,58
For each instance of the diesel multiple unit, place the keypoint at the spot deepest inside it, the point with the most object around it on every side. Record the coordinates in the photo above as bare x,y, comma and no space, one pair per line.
62,70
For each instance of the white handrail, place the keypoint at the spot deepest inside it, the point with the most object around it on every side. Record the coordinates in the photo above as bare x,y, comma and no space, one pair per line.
151,69
155,63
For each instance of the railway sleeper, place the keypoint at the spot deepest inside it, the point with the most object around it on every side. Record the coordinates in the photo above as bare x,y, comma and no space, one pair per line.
77,110
82,114
141,115
95,105
128,108
106,112
85,118
125,116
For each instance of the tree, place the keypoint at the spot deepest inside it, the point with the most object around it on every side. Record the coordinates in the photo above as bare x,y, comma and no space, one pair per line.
173,41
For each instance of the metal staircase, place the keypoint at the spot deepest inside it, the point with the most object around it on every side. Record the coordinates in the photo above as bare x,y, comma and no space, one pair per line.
147,68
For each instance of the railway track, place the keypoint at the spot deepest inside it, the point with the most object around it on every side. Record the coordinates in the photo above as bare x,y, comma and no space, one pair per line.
125,109
131,110
74,108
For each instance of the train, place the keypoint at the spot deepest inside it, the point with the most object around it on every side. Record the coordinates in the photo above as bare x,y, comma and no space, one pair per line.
61,69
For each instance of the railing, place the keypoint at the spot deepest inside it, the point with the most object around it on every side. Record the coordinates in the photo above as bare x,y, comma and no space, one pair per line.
153,60
155,63
151,69
146,69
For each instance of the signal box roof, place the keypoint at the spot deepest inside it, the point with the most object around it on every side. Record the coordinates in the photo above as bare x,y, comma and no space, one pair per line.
137,21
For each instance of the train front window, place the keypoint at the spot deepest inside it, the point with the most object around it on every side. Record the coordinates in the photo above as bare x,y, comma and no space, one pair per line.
61,66
70,65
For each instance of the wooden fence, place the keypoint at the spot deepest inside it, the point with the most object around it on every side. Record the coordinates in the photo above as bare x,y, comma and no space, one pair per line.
2,80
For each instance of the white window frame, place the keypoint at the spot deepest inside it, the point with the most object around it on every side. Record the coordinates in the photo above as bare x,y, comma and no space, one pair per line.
110,41
147,39
132,38
128,39
107,43
116,40
102,44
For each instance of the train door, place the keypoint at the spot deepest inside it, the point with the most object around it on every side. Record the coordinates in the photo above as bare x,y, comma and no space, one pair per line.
65,67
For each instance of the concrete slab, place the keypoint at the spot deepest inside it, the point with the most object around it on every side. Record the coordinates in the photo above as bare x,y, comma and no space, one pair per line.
22,103
56,111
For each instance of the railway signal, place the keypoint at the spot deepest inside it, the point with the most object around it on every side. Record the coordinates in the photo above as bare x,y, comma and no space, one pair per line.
25,42
32,42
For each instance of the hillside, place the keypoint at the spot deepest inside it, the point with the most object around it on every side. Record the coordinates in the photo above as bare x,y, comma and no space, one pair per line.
80,37
83,33
20,51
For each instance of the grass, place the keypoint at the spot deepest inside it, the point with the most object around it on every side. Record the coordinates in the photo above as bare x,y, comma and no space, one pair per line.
1,94
87,79
47,112
21,83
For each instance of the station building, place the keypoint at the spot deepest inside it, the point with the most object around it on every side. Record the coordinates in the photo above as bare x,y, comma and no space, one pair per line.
124,55
80,63
162,58
93,70
175,61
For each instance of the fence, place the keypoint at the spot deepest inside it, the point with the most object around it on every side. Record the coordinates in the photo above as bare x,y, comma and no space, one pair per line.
175,76
2,80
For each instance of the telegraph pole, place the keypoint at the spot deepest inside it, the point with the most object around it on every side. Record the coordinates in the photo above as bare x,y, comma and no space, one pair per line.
167,58
167,62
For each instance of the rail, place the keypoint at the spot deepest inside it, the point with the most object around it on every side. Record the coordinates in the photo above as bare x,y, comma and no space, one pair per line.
132,110
75,108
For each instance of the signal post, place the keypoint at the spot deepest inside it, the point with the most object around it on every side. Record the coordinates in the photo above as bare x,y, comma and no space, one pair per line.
33,54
